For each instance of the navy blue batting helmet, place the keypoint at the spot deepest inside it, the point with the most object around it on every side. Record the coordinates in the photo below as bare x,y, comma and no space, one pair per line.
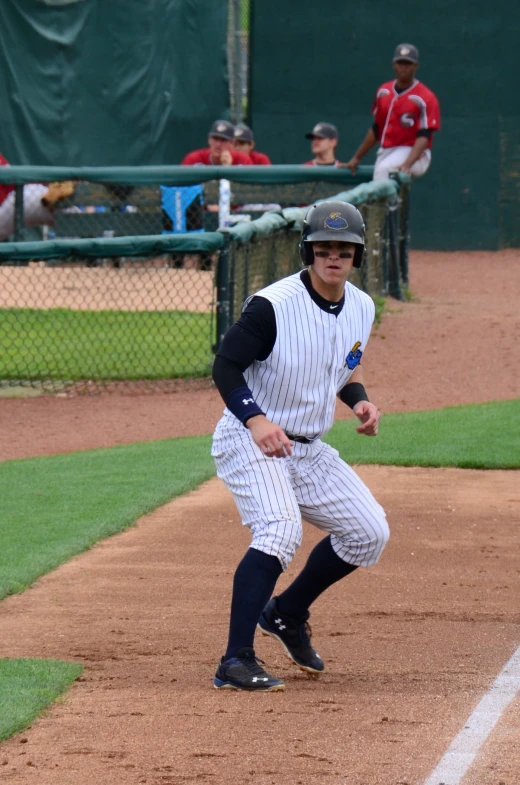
332,221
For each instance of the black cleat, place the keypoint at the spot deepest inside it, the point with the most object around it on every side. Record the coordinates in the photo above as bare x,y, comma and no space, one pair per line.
294,635
243,672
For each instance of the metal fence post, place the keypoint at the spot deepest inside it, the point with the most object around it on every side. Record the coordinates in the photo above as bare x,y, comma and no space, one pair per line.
235,55
404,231
224,291
18,212
394,283
224,203
373,272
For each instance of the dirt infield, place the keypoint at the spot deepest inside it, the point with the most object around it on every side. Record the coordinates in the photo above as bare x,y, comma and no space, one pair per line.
411,645
155,287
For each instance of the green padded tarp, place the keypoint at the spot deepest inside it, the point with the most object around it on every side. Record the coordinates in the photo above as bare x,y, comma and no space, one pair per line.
114,246
106,82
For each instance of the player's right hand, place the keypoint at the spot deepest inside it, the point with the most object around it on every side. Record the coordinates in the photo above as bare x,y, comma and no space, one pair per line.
269,437
352,165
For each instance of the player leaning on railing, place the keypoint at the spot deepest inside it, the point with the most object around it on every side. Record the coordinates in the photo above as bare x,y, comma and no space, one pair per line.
406,115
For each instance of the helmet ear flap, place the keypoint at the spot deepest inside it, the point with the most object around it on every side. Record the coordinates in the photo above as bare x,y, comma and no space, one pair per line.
358,255
305,248
306,252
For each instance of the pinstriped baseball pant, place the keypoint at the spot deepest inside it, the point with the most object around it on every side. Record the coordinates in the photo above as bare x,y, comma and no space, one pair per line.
273,494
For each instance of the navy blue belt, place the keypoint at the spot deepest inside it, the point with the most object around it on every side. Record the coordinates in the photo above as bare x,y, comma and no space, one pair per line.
302,439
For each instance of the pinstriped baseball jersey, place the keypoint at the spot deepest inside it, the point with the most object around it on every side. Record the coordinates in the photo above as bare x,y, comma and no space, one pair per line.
297,385
314,354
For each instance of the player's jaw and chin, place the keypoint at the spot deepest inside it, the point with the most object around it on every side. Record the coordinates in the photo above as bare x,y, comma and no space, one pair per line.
330,273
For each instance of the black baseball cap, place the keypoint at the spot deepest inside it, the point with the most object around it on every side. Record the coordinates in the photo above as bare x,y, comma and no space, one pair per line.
244,134
223,129
407,52
324,131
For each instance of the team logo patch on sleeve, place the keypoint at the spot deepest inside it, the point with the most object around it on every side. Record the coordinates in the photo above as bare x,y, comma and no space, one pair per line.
354,356
335,221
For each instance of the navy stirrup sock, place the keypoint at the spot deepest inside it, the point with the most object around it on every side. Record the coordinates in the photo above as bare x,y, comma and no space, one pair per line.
324,567
253,584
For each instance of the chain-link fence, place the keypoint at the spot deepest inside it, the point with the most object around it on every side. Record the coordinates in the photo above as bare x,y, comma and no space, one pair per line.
145,313
108,313
71,209
142,203
267,250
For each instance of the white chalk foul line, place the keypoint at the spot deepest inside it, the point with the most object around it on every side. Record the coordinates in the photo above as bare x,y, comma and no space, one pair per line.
464,747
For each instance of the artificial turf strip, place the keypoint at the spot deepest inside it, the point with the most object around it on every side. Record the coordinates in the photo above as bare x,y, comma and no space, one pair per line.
27,687
63,344
480,436
53,508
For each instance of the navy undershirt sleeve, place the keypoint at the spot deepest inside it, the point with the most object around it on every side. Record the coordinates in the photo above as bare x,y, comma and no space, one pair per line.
251,338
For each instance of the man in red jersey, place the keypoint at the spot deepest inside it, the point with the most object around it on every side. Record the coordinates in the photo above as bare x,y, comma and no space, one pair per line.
324,139
406,114
245,142
220,151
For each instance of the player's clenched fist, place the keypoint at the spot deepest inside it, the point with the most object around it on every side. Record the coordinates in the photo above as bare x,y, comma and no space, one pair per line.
226,159
273,442
369,416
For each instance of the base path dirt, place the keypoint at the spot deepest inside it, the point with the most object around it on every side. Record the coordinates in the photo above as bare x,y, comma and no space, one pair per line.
411,645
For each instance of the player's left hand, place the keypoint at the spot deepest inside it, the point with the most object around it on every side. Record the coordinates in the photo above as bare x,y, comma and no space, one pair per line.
406,168
369,415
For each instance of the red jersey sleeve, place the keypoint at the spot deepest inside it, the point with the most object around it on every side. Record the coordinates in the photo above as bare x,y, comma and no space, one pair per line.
380,106
259,159
240,159
433,112
200,157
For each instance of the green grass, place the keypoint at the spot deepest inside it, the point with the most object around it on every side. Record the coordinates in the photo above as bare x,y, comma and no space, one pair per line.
483,436
62,344
380,304
56,507
244,16
27,687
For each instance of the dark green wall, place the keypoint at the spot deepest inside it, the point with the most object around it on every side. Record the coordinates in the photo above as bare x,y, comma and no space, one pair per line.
110,82
314,62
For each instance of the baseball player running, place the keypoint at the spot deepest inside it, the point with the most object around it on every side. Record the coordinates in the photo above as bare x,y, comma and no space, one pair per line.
297,346
406,114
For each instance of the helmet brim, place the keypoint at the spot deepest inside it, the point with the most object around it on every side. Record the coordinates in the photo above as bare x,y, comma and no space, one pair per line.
326,235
